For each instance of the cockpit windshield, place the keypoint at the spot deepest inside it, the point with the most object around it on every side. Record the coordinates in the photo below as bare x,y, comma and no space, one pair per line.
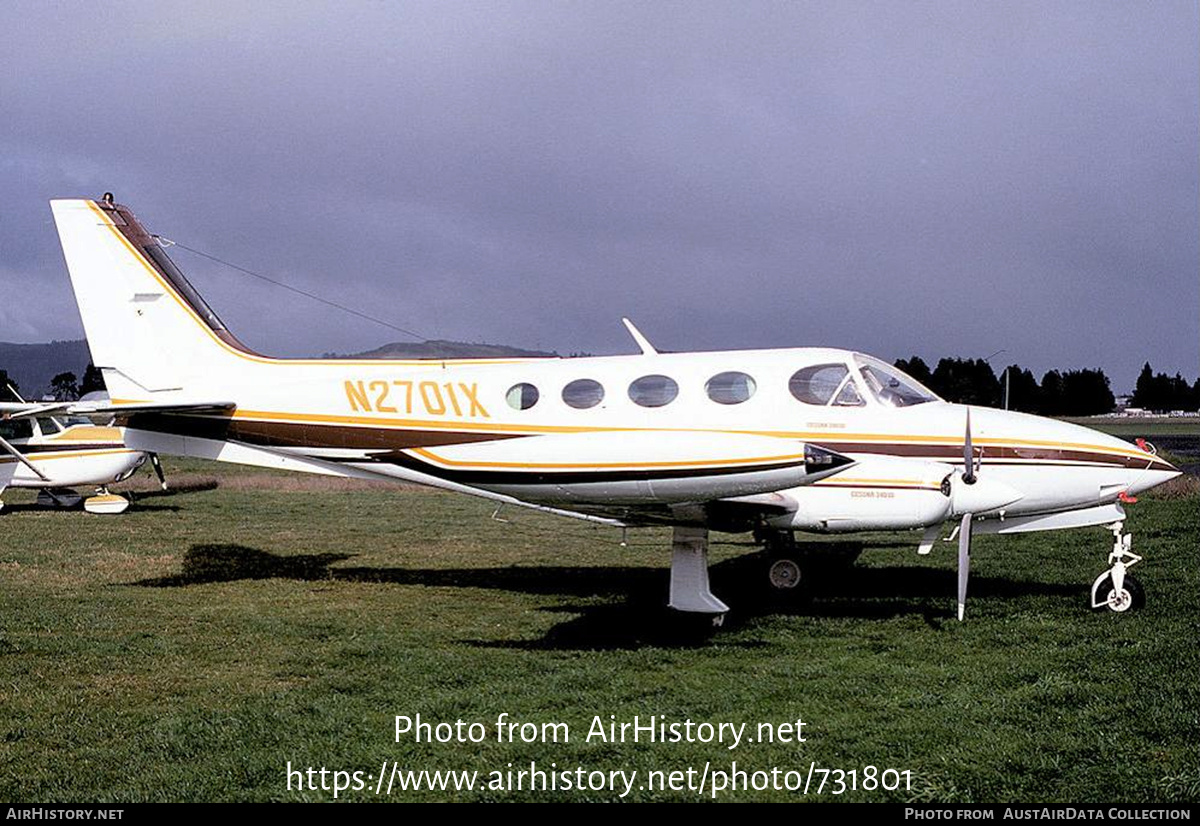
891,387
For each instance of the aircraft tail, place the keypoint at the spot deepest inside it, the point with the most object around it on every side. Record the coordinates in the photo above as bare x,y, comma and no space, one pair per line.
149,331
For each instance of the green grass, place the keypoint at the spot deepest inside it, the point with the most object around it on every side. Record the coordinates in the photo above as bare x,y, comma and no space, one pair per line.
190,648
1144,426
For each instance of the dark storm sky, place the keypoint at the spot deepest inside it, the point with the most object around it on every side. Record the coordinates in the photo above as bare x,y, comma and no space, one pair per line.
923,178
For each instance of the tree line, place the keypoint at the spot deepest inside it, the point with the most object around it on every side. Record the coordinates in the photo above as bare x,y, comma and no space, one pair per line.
1059,393
63,387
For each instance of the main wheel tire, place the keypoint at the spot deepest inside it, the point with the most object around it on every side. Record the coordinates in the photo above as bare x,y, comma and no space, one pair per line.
1131,596
787,581
784,575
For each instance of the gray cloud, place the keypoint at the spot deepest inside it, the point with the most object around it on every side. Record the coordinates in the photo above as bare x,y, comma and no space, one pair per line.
932,178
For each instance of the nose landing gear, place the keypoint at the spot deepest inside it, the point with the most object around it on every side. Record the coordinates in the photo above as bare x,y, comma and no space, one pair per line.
1116,590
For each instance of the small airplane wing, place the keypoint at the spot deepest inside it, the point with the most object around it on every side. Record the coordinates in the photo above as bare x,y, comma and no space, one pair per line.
23,410
733,514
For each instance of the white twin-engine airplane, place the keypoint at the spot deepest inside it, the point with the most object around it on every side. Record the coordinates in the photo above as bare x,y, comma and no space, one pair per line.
776,441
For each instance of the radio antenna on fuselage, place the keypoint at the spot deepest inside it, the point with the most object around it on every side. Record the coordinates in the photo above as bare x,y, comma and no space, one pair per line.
642,341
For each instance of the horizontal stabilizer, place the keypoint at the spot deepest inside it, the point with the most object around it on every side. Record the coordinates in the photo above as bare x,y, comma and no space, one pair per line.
106,410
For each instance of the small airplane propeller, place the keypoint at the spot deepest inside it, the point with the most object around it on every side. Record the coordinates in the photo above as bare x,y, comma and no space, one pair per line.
964,562
968,454
969,477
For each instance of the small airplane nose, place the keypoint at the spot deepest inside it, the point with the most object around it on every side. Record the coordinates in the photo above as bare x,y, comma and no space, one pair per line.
1144,468
1153,477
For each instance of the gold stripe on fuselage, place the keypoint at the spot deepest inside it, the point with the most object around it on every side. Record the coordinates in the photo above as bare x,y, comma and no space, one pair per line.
87,433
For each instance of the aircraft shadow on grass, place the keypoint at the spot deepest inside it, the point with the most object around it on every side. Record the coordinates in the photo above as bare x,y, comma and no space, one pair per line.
635,616
175,490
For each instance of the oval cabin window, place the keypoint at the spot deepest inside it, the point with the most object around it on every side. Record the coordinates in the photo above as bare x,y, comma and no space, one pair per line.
730,388
521,396
653,391
583,393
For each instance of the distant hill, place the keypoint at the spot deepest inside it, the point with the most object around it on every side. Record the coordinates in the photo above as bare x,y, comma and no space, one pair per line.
440,349
32,366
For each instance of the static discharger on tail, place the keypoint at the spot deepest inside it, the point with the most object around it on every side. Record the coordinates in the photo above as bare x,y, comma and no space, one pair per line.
771,441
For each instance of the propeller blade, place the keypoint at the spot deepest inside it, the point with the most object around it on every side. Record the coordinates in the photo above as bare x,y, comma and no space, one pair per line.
964,562
157,465
968,454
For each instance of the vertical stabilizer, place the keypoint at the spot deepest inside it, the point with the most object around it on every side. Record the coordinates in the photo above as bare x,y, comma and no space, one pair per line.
148,329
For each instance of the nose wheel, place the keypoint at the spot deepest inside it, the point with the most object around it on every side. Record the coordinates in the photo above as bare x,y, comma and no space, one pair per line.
1117,590
105,502
1129,596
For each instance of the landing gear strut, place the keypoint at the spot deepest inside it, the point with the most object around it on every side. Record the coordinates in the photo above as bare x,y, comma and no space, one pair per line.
689,577
1117,590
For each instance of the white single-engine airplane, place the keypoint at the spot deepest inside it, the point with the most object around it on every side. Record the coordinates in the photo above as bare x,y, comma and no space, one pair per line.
38,451
776,441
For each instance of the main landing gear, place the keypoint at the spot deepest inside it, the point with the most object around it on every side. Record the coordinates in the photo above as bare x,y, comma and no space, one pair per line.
787,570
689,579
790,566
1117,590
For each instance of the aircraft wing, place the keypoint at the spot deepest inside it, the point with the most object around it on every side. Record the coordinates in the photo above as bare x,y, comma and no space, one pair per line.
731,514
24,410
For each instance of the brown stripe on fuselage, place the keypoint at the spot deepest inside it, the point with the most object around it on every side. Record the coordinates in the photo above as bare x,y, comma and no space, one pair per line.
304,434
69,447
998,454
292,434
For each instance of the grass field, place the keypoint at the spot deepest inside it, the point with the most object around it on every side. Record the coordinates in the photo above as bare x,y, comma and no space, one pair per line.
1143,426
191,648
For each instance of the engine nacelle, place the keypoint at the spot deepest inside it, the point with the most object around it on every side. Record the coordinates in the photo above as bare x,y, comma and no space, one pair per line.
878,493
629,467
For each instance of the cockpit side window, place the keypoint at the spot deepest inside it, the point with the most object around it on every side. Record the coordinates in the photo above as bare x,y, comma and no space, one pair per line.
15,429
848,396
819,383
890,386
